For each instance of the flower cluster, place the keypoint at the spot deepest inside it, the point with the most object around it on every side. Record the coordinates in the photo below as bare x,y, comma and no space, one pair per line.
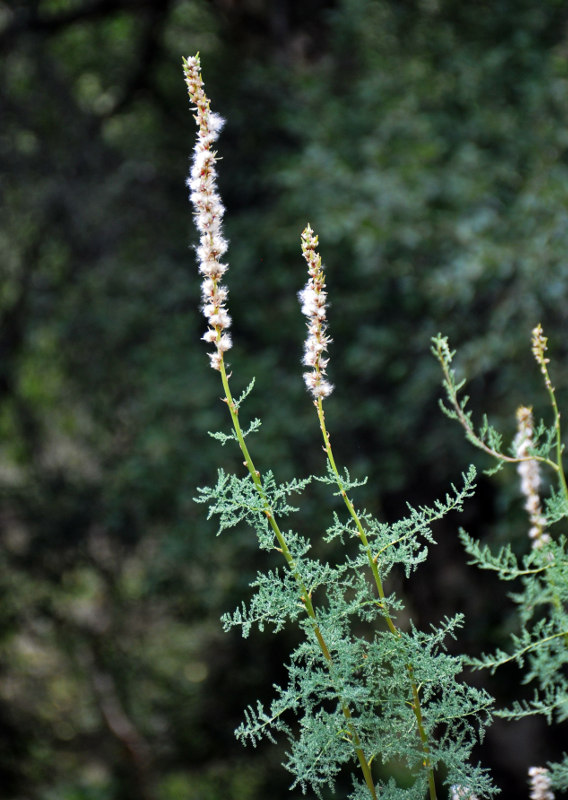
209,212
540,784
530,476
313,301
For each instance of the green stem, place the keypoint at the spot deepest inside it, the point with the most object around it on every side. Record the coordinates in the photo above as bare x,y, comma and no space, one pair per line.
305,595
416,707
465,421
559,447
519,653
542,361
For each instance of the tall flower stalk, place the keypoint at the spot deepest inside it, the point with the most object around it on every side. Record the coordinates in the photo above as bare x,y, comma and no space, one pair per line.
313,302
208,218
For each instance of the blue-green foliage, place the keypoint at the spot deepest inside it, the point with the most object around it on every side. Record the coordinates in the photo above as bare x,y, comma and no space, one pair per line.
540,645
236,500
372,667
559,774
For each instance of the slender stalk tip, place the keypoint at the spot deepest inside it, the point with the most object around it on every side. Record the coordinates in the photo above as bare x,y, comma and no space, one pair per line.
540,346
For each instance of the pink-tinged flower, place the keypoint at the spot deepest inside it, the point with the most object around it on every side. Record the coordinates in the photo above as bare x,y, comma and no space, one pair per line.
313,302
208,214
540,784
530,477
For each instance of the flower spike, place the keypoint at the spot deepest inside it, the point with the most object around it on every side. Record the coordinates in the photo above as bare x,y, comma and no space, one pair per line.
313,301
208,212
529,472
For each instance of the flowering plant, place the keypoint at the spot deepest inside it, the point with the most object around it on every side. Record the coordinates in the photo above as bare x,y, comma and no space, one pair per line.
363,688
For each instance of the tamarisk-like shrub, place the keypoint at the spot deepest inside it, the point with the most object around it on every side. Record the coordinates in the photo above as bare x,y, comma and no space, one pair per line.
541,645
363,690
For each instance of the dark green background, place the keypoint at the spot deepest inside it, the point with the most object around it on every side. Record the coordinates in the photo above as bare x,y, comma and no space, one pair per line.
427,143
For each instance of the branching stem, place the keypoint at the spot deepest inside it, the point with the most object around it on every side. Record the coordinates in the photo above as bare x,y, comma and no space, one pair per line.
559,446
464,418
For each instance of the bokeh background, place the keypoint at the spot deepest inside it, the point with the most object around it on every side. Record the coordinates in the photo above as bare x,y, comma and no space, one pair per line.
427,143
